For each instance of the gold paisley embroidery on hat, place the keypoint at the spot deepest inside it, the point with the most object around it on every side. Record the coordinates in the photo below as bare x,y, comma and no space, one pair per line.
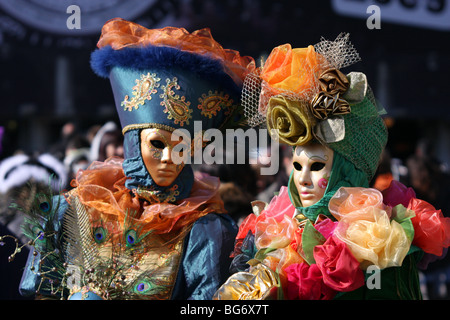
177,107
145,87
214,102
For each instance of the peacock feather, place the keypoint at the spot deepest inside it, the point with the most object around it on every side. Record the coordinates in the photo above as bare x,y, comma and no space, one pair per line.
40,211
81,248
133,233
41,226
102,250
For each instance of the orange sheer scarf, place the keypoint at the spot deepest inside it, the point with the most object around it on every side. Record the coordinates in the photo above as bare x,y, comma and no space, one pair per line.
101,187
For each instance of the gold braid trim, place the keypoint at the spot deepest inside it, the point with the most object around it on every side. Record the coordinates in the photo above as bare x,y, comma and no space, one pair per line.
147,126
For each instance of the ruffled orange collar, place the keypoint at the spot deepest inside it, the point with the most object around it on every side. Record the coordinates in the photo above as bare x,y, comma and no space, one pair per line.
101,187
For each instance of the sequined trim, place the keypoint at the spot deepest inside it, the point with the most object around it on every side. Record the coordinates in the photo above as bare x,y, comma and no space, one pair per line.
175,105
152,196
142,91
214,102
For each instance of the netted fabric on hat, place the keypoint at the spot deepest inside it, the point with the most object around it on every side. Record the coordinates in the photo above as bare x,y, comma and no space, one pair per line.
302,93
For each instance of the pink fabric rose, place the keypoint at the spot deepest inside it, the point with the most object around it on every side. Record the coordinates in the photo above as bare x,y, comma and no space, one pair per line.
326,227
304,282
397,193
280,206
340,269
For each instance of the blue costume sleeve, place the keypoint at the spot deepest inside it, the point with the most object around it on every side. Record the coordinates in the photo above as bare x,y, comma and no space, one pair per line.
205,263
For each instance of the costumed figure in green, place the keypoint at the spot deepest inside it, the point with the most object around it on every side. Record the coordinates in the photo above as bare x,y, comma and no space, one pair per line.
327,235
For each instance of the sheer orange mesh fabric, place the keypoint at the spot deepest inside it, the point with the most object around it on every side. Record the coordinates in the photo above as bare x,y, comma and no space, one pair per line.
119,33
101,187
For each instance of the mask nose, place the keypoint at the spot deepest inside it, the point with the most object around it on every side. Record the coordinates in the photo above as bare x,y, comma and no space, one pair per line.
166,155
305,178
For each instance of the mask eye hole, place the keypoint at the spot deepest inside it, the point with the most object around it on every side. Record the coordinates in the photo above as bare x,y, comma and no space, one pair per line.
317,166
297,166
157,144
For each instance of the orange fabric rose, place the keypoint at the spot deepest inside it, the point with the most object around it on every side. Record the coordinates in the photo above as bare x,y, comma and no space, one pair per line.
270,233
349,200
293,70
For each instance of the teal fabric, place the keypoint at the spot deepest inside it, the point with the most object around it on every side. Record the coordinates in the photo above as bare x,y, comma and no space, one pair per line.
178,87
365,136
395,283
206,258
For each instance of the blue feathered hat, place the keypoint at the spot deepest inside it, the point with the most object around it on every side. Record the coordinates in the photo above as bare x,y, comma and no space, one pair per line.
168,78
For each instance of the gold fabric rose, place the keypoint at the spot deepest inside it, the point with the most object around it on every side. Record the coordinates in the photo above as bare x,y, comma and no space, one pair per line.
324,105
333,81
259,283
328,102
292,120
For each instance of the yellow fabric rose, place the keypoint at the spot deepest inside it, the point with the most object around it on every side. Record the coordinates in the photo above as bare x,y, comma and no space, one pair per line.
373,238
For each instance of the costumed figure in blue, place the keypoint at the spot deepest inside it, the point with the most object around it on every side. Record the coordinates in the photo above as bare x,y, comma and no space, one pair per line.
143,227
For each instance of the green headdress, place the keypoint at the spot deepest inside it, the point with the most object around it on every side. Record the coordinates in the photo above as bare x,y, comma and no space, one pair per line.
305,97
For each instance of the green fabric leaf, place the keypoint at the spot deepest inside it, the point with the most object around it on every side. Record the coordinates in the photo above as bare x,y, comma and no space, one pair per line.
403,216
261,254
310,238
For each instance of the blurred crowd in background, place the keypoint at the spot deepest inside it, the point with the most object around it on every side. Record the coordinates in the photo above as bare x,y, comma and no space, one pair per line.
240,185
56,116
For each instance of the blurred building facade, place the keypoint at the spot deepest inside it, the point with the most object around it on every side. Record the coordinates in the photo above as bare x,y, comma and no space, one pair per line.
46,80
